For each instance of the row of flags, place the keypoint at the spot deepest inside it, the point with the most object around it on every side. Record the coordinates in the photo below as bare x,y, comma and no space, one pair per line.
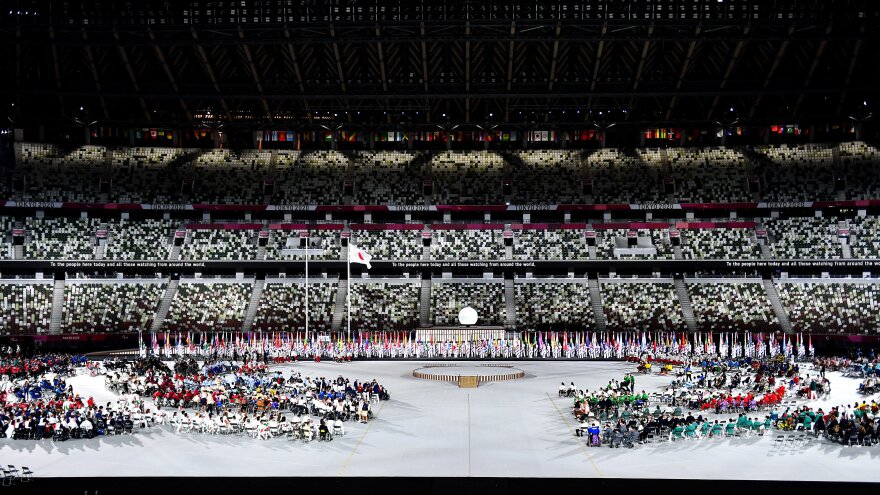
528,344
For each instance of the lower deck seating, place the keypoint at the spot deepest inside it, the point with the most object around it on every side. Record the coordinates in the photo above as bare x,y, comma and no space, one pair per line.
377,306
642,306
25,308
732,307
832,307
208,306
448,298
283,306
548,304
110,306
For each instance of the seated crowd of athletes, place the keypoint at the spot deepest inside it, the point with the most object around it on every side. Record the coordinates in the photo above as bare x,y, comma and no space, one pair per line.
227,398
732,399
36,402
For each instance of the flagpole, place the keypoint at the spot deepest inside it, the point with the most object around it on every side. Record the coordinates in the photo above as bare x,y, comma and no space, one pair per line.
348,292
308,242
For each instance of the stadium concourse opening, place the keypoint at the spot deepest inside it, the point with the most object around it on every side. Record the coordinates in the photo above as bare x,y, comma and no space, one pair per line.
235,234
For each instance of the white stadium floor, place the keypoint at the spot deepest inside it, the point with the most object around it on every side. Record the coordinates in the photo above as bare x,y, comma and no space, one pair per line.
431,428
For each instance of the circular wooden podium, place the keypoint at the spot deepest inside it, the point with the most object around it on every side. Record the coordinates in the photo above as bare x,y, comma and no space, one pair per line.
468,375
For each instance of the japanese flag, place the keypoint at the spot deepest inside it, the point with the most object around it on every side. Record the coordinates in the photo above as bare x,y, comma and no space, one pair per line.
358,255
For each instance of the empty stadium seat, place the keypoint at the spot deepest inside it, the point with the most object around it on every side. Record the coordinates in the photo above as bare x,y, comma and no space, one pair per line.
208,306
550,245
641,305
467,244
798,238
25,308
282,306
110,306
831,307
553,303
385,306
732,307
448,298
719,244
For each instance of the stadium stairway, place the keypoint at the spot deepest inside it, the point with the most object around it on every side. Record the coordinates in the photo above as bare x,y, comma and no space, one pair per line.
596,300
676,252
18,252
165,305
254,303
776,304
425,302
57,307
426,250
765,251
339,310
593,254
261,249
510,302
175,253
845,248
100,250
687,308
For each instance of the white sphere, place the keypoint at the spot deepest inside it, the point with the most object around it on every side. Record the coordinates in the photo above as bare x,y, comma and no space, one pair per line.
467,316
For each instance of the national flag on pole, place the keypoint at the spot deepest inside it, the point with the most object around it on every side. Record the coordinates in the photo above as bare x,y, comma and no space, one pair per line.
358,255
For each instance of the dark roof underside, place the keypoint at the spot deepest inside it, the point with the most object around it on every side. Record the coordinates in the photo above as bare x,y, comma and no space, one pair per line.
281,62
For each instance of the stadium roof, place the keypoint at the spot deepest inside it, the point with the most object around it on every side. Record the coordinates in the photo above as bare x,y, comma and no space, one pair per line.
350,63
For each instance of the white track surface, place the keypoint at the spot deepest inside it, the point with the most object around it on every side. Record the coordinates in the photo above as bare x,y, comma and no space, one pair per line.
503,429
